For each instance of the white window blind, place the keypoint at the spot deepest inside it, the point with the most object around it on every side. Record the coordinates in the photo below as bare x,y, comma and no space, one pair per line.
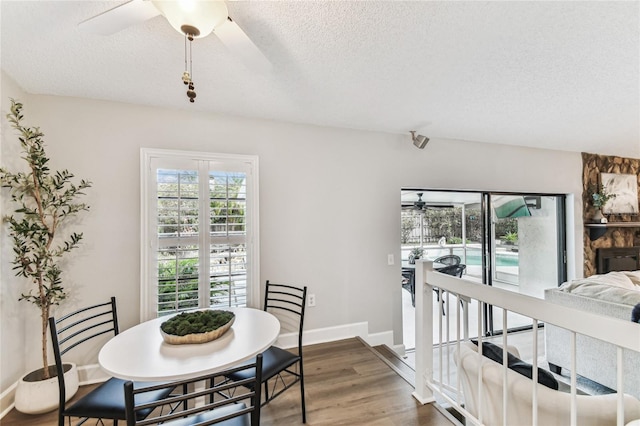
200,219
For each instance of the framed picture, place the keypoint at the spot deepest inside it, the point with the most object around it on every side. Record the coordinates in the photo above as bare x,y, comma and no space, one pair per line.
626,189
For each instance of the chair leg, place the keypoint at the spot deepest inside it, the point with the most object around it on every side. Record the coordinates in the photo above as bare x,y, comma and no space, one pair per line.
304,410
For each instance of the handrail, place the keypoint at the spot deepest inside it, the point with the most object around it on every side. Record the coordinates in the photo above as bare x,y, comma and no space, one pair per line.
623,334
613,330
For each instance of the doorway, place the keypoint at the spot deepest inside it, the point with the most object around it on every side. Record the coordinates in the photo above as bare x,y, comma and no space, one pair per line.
514,241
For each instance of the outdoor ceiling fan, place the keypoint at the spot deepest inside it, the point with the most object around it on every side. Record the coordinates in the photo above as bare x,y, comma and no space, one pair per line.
191,18
421,205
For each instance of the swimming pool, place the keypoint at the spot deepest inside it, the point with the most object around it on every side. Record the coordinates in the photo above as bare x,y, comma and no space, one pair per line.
472,258
502,259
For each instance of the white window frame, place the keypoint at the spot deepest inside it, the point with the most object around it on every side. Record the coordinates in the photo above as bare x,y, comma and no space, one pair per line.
148,284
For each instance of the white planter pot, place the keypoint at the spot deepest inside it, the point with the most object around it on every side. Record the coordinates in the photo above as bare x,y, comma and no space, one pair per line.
41,396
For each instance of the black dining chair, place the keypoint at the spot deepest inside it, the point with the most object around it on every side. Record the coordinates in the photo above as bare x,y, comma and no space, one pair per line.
78,327
206,405
281,369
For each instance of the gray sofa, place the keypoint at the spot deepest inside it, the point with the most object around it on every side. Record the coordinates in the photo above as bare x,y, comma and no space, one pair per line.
595,359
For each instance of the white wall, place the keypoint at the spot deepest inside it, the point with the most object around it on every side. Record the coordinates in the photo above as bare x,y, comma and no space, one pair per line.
12,340
329,200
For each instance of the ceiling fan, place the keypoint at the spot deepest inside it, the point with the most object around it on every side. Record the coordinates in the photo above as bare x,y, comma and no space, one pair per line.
191,18
421,205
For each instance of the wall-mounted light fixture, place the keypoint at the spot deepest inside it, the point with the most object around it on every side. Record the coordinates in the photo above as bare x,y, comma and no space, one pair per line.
420,141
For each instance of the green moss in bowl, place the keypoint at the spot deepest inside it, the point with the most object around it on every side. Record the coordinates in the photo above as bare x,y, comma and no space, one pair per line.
196,322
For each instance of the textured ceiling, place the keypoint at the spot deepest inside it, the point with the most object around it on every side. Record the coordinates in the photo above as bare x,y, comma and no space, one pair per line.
559,75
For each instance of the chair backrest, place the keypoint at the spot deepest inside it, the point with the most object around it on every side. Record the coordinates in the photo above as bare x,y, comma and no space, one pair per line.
408,273
449,259
219,401
290,302
455,270
78,327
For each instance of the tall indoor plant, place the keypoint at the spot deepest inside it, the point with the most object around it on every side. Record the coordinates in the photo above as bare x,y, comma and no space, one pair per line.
45,201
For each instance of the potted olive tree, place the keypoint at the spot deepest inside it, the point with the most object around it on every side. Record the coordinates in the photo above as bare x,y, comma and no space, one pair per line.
44,202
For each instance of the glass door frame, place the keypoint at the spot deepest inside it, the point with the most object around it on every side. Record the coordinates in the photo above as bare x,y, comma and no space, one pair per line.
489,251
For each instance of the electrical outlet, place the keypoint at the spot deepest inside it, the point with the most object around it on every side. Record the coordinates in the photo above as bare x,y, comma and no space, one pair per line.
311,300
390,260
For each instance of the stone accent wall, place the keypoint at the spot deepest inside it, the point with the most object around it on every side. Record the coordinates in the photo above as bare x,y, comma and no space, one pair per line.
592,166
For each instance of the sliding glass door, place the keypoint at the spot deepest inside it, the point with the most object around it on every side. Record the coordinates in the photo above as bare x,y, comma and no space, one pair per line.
514,241
525,247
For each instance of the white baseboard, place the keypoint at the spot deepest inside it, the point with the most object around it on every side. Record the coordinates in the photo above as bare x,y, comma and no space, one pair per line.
399,349
90,374
331,334
323,335
383,338
6,399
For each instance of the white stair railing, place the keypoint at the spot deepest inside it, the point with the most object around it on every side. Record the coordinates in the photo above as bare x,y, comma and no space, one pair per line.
624,335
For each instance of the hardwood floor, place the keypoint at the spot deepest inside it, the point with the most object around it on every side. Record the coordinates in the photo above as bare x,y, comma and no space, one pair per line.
345,384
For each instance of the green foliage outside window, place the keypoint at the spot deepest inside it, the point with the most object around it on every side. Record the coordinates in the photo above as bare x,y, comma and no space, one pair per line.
178,209
447,222
179,291
510,237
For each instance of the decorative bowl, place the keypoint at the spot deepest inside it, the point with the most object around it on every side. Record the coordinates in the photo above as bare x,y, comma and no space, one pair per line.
191,338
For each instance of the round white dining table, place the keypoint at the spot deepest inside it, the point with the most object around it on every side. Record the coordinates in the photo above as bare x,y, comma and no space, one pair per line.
139,353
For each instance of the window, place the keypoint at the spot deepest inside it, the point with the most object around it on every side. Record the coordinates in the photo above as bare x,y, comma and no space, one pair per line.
199,231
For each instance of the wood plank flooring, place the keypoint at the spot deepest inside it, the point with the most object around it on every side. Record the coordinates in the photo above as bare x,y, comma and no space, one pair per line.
345,384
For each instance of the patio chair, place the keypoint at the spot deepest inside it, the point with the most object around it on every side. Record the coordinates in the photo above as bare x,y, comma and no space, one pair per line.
107,400
456,270
448,260
207,406
409,283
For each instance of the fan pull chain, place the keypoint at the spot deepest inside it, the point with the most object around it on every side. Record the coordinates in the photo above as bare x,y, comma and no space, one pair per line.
191,93
187,75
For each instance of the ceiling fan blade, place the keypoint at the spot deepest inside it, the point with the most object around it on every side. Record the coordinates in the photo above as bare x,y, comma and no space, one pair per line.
120,17
239,44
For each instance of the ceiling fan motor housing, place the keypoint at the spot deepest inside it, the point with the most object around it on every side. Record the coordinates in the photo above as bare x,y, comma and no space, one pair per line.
190,31
200,17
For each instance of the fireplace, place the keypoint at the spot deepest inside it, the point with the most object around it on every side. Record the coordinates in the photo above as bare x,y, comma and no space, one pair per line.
618,259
